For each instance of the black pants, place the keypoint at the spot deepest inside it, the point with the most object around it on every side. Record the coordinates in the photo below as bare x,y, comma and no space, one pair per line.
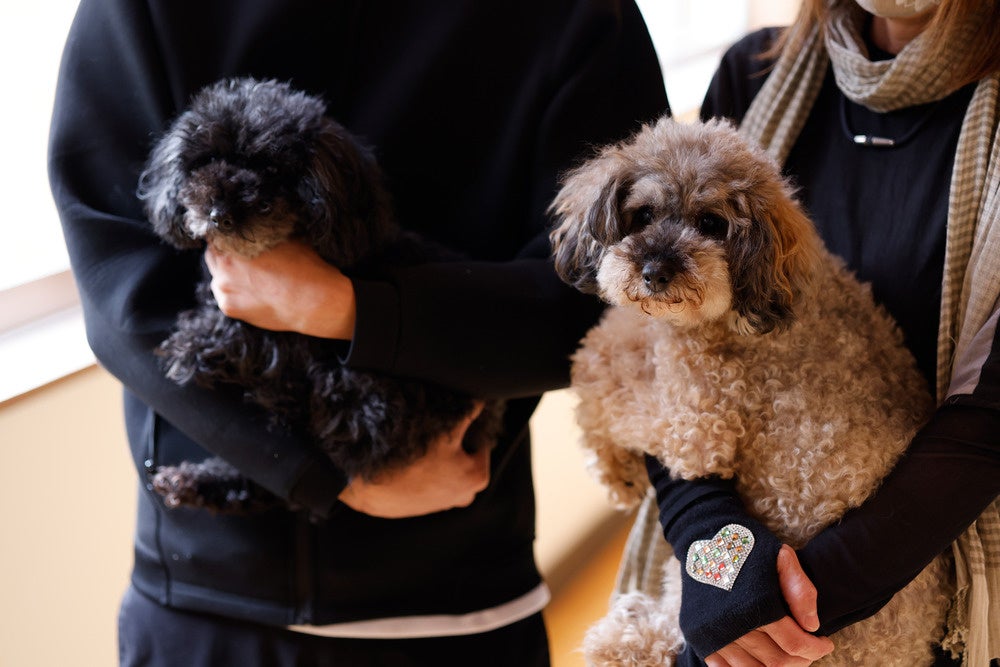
150,635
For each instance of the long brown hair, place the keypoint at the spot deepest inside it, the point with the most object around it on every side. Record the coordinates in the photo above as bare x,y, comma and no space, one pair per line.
983,46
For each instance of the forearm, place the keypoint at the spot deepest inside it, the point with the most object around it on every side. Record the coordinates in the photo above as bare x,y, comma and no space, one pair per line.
495,330
696,510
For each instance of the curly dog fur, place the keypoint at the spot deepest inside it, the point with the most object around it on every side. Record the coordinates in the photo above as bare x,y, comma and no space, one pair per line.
249,165
737,346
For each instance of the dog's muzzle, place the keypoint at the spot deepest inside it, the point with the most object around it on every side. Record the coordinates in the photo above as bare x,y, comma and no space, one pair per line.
658,272
220,219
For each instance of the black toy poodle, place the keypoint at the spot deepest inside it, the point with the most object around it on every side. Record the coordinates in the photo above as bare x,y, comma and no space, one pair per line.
250,164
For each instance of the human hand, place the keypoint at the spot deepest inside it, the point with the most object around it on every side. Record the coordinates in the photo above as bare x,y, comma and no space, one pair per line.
444,478
786,641
286,288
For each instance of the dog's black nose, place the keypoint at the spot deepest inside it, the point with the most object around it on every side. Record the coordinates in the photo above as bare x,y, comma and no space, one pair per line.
657,274
220,219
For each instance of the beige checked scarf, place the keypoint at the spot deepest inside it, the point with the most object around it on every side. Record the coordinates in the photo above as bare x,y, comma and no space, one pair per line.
971,286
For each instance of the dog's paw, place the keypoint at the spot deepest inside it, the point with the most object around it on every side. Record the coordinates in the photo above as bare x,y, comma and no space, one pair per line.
213,485
625,496
187,357
622,473
636,632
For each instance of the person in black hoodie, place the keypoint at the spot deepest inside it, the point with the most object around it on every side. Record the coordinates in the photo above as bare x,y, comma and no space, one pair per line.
473,109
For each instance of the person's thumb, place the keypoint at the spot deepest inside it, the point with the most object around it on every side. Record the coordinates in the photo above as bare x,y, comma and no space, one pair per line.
799,591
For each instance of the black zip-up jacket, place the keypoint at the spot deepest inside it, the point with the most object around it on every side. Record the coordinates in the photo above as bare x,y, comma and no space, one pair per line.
473,108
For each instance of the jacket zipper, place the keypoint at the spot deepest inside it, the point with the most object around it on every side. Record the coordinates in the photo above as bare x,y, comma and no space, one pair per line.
304,578
149,465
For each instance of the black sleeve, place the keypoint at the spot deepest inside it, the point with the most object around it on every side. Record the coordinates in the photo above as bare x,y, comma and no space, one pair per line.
507,329
113,98
712,617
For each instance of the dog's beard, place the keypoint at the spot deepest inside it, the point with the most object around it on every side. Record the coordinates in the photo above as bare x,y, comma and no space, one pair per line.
698,293
249,238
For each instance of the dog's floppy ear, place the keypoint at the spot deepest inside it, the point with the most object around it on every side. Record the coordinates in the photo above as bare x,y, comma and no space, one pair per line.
160,185
588,218
344,193
772,261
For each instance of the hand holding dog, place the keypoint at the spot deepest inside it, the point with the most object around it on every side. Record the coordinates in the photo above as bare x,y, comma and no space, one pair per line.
291,288
786,641
286,288
446,477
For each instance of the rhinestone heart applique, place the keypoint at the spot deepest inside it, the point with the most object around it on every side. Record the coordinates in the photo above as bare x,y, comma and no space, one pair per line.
717,561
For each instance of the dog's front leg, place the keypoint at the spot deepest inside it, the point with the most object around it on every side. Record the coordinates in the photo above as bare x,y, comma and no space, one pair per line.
208,348
621,471
610,372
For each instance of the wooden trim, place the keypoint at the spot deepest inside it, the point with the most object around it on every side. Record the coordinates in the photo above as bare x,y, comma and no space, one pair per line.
37,299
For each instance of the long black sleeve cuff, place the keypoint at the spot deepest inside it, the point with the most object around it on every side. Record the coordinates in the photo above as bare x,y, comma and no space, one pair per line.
704,521
377,326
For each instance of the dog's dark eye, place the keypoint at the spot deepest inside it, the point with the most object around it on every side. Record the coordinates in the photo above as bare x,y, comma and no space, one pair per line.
264,208
642,216
713,225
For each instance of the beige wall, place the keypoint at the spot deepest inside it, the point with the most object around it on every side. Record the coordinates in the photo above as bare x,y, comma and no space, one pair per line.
66,517
66,505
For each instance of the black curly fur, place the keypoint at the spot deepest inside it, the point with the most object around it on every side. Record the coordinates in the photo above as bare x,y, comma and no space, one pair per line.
212,484
249,164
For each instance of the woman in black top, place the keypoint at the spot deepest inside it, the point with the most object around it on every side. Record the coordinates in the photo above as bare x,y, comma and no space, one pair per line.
876,176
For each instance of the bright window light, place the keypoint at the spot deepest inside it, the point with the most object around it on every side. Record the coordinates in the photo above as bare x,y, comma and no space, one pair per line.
31,40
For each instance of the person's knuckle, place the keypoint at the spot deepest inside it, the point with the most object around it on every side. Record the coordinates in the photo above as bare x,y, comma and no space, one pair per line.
806,649
787,661
795,646
480,479
222,300
803,587
220,286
